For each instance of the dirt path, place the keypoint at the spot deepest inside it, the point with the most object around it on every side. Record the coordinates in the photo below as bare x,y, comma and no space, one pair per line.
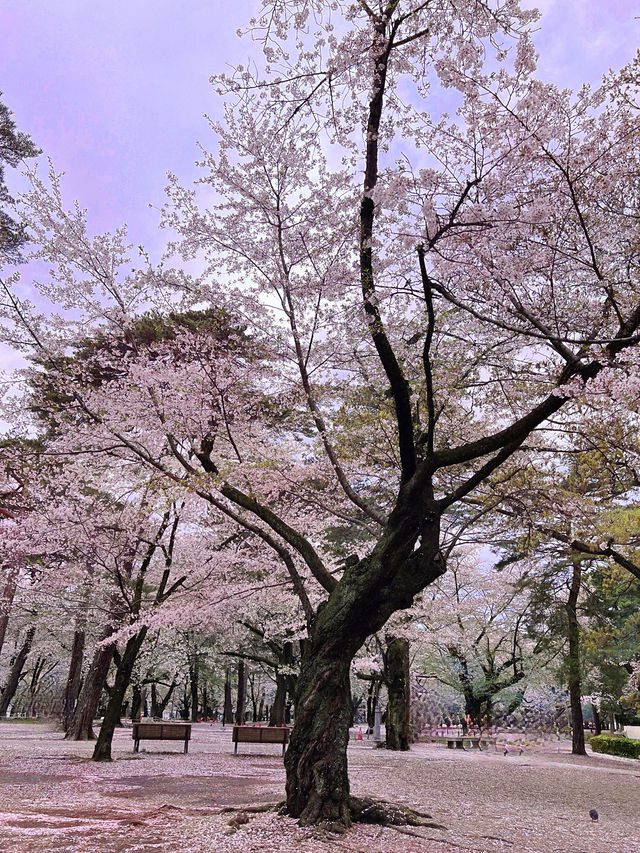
53,798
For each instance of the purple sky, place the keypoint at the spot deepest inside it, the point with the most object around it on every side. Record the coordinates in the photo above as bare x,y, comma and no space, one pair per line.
114,91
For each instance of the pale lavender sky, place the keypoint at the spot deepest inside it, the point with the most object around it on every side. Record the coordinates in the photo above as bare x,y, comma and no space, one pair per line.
114,91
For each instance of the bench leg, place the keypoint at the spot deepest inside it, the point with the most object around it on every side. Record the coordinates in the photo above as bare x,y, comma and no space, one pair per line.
235,748
136,745
186,746
460,744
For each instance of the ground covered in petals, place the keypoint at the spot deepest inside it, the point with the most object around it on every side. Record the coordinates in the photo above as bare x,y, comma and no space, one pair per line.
52,797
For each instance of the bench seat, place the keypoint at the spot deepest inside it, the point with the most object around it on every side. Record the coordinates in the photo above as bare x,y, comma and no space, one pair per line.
161,731
260,734
458,742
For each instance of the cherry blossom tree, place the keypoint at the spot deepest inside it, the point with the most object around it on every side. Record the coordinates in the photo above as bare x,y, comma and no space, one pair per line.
517,226
477,283
476,637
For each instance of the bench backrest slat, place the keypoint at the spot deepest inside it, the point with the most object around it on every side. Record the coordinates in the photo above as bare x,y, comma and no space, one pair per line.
260,734
161,731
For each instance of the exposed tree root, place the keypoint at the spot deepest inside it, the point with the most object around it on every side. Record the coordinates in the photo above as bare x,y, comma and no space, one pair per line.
361,810
368,810
263,807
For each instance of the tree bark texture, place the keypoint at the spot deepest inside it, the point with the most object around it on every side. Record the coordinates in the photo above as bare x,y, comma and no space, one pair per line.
227,713
136,702
396,674
194,682
6,600
102,750
74,678
276,717
81,725
373,697
155,707
15,672
162,706
39,671
242,691
573,664
316,760
368,593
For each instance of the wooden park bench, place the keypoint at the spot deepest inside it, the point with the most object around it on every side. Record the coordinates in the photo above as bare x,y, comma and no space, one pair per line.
161,731
260,734
458,741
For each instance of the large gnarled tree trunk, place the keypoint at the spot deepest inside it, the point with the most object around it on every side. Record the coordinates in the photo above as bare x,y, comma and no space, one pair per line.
386,581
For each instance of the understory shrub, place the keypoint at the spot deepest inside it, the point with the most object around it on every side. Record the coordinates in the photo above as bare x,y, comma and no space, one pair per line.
616,746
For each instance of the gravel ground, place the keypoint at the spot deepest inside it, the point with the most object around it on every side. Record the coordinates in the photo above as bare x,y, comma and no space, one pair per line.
53,798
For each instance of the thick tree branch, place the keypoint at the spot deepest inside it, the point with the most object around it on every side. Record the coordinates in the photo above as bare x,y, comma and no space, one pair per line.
397,381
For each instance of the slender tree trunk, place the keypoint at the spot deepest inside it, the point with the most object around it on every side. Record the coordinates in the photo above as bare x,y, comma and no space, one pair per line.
194,679
205,703
155,708
15,672
102,751
276,717
372,703
81,725
227,713
398,726
38,674
162,705
242,691
261,707
6,600
72,689
254,698
136,702
186,704
597,722
573,661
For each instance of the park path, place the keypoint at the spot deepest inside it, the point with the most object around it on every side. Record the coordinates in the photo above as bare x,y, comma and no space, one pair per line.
53,798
